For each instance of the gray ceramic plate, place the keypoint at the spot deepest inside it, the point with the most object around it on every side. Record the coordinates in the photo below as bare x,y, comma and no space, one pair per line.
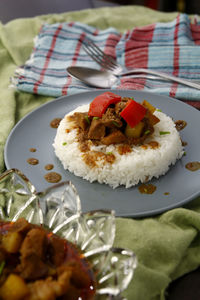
34,131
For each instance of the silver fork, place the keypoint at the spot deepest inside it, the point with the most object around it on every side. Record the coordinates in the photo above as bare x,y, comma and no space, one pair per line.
108,63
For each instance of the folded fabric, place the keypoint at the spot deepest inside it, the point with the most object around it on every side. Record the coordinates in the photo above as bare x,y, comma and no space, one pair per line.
172,47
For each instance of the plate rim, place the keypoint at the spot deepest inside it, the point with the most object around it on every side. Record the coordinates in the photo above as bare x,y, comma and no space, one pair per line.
145,213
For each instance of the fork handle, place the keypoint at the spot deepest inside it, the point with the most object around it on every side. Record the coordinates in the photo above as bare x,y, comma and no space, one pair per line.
162,75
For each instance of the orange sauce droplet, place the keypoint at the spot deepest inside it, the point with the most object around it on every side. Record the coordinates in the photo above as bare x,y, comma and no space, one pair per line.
180,124
53,177
193,166
147,188
55,122
49,167
32,161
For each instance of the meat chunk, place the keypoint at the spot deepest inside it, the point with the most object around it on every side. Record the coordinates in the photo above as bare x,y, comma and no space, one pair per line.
120,105
82,120
32,254
2,254
110,119
97,130
21,226
49,289
57,250
114,138
34,242
152,119
32,268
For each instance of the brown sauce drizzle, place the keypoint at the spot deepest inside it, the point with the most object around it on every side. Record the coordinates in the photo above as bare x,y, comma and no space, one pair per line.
152,145
180,124
49,167
55,122
73,124
184,143
144,146
147,188
110,158
32,149
193,166
84,146
123,149
53,177
71,118
32,161
91,158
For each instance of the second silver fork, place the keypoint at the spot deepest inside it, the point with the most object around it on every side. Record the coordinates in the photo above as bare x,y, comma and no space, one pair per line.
110,64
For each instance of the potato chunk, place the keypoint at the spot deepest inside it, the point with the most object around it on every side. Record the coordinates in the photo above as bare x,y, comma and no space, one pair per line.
14,288
134,132
148,105
12,242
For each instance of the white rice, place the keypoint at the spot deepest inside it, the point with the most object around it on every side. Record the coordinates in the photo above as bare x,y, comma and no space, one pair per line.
128,169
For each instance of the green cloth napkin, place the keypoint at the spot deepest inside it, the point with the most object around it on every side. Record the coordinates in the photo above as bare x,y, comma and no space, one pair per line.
167,246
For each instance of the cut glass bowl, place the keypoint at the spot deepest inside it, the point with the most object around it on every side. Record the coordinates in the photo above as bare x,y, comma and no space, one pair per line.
59,209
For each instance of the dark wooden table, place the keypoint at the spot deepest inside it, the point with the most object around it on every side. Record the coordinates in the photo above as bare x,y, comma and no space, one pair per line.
185,288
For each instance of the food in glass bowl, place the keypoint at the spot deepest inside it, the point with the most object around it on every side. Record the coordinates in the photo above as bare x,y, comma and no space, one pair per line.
56,213
37,264
118,141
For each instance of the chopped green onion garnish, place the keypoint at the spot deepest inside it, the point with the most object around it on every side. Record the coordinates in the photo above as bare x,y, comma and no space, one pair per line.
164,132
87,119
109,153
64,143
95,118
147,132
131,98
116,124
2,265
184,153
159,110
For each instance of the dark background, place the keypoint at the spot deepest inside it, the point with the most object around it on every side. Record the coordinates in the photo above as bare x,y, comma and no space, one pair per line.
11,9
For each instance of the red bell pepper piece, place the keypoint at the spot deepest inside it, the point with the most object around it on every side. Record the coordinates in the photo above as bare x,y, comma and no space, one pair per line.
133,113
99,105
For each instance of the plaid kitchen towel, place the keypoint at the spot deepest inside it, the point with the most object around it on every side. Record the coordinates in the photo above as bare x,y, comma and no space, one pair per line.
172,47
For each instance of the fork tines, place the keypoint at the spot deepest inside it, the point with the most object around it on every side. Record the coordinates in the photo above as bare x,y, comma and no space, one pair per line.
104,60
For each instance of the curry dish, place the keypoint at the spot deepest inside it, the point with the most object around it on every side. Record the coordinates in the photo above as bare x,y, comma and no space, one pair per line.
111,121
38,265
117,141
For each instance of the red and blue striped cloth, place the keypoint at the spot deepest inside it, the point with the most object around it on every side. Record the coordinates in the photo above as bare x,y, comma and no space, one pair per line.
172,47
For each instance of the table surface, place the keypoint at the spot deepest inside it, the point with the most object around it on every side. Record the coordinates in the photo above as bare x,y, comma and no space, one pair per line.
186,287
